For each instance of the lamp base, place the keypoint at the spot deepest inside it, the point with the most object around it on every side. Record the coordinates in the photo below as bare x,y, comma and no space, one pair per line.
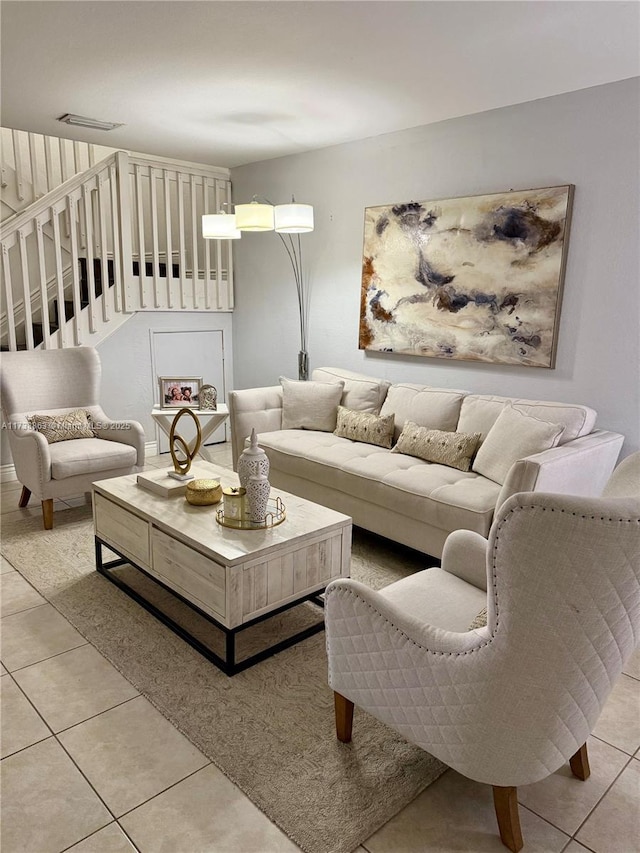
303,365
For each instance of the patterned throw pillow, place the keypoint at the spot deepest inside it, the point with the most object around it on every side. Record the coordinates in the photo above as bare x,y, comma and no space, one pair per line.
64,427
364,426
480,621
454,449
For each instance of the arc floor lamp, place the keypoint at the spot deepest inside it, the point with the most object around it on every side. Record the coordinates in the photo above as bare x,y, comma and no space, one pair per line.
289,221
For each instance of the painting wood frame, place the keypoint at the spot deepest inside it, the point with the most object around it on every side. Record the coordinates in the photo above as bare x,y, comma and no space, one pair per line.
476,278
172,392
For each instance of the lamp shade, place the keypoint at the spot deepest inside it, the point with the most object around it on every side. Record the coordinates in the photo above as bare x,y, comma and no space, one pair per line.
220,226
254,216
293,218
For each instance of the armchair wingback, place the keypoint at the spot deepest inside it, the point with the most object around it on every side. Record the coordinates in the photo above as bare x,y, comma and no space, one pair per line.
55,382
509,703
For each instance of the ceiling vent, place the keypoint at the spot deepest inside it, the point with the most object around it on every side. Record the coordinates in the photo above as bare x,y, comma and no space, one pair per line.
92,123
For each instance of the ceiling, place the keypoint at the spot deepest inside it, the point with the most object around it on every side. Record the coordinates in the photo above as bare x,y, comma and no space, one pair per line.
229,83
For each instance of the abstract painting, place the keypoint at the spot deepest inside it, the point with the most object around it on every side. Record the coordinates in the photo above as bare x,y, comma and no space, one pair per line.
477,278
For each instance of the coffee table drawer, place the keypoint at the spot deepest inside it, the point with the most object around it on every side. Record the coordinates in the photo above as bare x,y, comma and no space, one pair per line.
191,574
122,529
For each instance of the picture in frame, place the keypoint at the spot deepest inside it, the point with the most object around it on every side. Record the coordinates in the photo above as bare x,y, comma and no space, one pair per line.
475,278
180,392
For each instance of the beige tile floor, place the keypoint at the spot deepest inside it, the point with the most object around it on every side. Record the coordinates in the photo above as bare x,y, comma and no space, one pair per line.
89,766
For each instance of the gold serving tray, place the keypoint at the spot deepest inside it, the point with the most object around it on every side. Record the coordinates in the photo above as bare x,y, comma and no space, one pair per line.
276,514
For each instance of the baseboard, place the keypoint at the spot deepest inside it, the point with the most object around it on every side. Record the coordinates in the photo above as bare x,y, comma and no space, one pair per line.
8,472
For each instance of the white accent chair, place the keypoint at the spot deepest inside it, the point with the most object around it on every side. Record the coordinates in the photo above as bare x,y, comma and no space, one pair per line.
53,382
509,703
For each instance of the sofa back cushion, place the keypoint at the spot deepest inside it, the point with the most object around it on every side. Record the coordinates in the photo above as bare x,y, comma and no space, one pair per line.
515,435
434,408
361,393
479,413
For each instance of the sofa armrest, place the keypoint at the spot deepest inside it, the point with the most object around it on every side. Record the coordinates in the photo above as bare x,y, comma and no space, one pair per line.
124,432
465,555
579,467
253,408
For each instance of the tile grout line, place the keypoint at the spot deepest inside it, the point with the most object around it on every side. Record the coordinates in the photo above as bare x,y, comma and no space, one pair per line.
57,654
169,787
96,831
627,763
39,715
93,716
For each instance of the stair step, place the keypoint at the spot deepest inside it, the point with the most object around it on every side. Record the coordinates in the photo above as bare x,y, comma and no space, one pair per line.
162,269
38,333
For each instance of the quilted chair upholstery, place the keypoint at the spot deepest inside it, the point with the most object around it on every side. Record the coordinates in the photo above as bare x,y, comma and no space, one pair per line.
509,703
54,382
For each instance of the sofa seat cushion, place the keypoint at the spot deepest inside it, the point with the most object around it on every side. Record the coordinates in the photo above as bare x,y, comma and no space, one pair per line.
427,492
70,458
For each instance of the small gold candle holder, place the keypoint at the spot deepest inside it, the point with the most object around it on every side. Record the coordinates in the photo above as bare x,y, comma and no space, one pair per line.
233,502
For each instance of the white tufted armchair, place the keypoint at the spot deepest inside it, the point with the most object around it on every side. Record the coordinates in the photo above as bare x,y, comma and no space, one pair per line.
54,382
509,703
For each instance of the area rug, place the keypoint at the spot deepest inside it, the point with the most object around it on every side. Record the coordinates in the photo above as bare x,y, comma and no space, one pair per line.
270,729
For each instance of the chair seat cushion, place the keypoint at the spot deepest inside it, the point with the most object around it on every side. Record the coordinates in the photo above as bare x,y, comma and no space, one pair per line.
437,598
70,458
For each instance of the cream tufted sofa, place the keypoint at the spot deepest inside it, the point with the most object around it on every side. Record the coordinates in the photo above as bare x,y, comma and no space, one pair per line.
404,498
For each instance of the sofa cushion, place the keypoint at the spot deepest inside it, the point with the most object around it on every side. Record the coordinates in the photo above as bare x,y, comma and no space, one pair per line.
67,426
454,449
365,426
69,458
437,598
513,436
434,408
361,393
479,413
441,496
310,405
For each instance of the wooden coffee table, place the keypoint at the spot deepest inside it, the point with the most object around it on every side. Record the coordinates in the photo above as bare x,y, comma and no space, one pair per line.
233,578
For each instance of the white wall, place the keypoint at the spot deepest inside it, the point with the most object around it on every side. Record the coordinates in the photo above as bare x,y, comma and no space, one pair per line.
129,383
589,138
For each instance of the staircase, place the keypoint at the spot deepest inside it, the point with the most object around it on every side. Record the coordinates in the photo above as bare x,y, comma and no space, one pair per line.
122,235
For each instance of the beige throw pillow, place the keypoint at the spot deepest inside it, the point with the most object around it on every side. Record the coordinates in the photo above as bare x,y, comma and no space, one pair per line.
513,436
310,405
70,425
454,449
364,426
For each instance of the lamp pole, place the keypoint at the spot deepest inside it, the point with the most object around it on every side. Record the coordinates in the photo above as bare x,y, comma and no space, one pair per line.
293,249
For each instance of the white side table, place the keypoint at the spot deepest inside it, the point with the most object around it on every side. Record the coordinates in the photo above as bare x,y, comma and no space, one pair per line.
209,421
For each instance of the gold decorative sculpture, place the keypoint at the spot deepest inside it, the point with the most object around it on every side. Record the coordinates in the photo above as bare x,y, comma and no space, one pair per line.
177,444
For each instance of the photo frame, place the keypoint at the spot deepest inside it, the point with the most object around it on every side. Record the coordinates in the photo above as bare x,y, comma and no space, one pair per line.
477,278
180,392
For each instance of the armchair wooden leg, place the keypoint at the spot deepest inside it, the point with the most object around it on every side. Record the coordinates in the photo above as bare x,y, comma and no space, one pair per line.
25,494
505,801
579,763
47,514
344,717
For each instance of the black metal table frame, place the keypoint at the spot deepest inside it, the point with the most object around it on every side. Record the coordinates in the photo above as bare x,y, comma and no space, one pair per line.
228,664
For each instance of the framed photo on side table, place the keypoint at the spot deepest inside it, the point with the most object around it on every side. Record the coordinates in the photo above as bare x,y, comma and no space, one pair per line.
179,392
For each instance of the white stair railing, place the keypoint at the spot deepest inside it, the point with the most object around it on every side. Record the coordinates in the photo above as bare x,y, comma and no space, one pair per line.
37,282
33,164
122,236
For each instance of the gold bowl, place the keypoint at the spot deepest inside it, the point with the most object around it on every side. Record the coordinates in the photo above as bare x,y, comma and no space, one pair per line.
203,492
